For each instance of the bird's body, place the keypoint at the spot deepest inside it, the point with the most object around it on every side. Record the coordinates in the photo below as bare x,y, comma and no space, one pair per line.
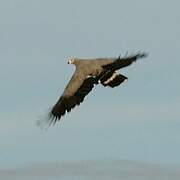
88,73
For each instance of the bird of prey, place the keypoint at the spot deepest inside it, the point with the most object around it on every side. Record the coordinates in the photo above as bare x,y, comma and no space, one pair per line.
88,73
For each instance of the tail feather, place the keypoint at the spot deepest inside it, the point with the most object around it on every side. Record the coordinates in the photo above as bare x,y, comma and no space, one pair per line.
113,80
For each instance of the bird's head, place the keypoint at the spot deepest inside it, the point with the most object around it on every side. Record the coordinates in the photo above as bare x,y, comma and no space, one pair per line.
71,61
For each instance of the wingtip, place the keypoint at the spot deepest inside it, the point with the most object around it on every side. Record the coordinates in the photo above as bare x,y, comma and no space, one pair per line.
138,55
142,54
46,121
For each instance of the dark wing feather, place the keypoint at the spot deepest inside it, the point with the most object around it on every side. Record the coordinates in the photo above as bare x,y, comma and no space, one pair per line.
73,95
117,80
106,76
123,62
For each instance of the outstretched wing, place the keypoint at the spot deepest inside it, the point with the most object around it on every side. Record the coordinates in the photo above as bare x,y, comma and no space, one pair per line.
123,62
109,76
74,94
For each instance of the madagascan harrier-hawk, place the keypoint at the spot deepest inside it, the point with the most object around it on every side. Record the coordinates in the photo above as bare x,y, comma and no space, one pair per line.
88,73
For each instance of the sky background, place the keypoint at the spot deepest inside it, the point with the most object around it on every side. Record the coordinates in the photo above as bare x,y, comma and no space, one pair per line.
139,121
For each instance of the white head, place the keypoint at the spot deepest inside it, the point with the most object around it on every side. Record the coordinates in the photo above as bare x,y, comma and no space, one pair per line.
71,61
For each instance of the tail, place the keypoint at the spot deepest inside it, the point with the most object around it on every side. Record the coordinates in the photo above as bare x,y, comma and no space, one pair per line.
112,79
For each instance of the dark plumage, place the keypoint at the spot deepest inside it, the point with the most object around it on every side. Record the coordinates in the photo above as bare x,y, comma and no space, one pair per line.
90,72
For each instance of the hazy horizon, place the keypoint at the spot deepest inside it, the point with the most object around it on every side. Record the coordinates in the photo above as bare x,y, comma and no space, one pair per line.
93,169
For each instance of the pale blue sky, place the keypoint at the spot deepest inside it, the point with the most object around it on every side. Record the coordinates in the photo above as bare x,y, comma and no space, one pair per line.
138,121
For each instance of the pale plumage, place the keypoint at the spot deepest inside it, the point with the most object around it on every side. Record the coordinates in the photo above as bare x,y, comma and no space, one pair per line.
90,72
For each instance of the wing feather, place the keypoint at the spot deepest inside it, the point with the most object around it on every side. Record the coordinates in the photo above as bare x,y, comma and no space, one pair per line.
112,79
123,62
117,80
73,95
